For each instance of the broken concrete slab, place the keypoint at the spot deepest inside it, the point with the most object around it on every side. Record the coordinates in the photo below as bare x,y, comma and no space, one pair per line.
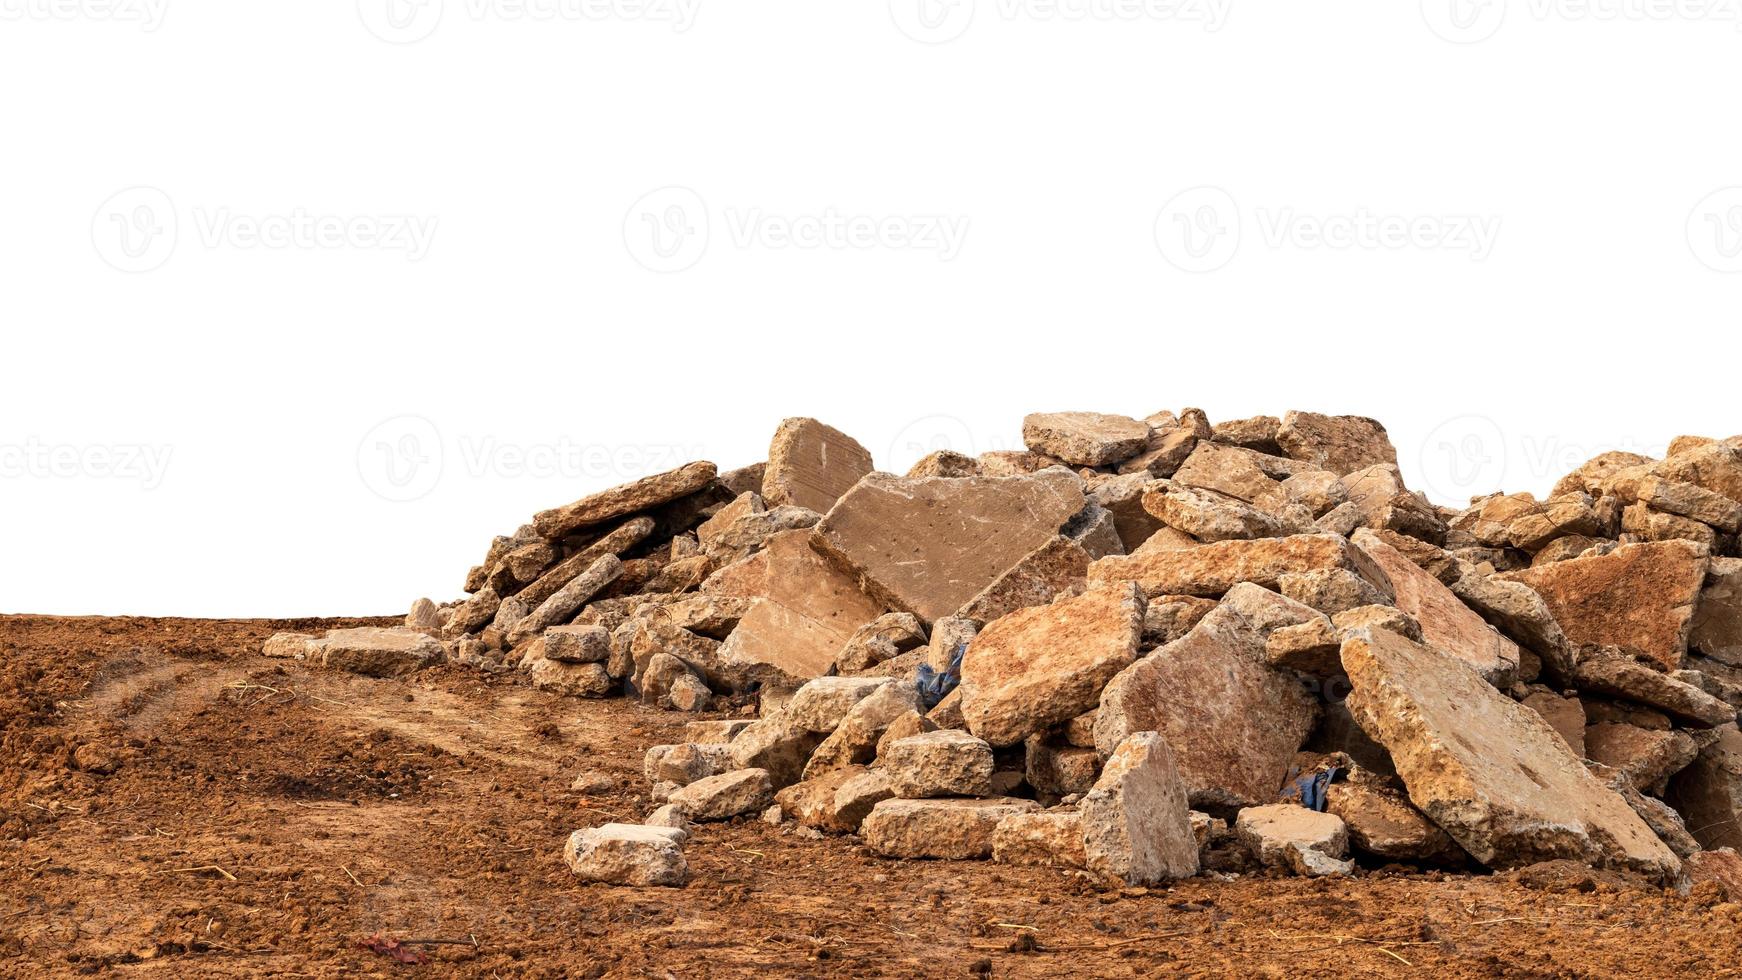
627,854
1136,822
1213,569
376,651
1304,841
1211,516
925,546
1607,670
837,801
1040,667
580,680
811,464
1085,438
587,644
821,704
566,601
1639,597
1234,722
1048,839
776,743
1487,770
630,498
1645,757
941,763
1381,821
727,795
1058,567
950,829
1339,443
1717,626
1447,624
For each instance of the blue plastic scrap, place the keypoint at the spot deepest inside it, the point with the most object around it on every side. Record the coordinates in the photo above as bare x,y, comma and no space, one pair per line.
935,686
1309,788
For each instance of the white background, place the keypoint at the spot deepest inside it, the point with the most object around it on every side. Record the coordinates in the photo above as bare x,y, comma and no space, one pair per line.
532,349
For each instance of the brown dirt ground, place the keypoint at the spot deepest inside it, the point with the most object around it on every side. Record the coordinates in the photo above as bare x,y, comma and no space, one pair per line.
262,818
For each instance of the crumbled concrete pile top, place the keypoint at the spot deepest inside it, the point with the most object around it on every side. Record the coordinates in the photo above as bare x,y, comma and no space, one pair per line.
1141,649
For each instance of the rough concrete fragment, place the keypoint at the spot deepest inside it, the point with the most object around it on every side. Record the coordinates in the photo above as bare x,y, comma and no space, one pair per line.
1059,770
929,546
1233,722
1314,647
1331,590
941,763
1515,609
884,638
1645,757
1339,443
821,704
854,740
1085,438
802,611
1122,497
1040,667
945,462
1717,626
951,829
687,762
1564,714
1639,597
643,494
836,801
777,744
627,854
1056,568
1163,454
1136,823
1304,841
1447,624
474,613
581,680
689,693
566,601
378,651
1213,569
1010,462
811,464
713,731
423,616
1381,821
290,645
578,644
1606,670
1257,433
1234,472
1319,491
728,795
1487,770
1211,516
1169,617
1049,839
1377,617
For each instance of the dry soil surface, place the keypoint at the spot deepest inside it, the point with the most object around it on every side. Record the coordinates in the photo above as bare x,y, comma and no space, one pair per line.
172,804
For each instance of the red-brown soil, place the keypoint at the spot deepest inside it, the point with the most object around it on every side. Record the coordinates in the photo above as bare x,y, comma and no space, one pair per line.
263,818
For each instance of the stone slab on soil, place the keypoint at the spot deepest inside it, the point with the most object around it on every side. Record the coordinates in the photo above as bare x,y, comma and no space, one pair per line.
1051,839
1136,823
378,651
627,854
950,829
811,464
929,545
1488,770
1639,597
1041,667
1304,841
728,795
837,801
643,494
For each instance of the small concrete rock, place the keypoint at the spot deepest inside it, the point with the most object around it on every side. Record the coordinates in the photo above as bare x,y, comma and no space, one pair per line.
1304,841
627,854
727,795
949,829
940,763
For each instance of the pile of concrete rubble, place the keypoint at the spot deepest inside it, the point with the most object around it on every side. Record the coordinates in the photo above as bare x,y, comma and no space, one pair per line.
1144,649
